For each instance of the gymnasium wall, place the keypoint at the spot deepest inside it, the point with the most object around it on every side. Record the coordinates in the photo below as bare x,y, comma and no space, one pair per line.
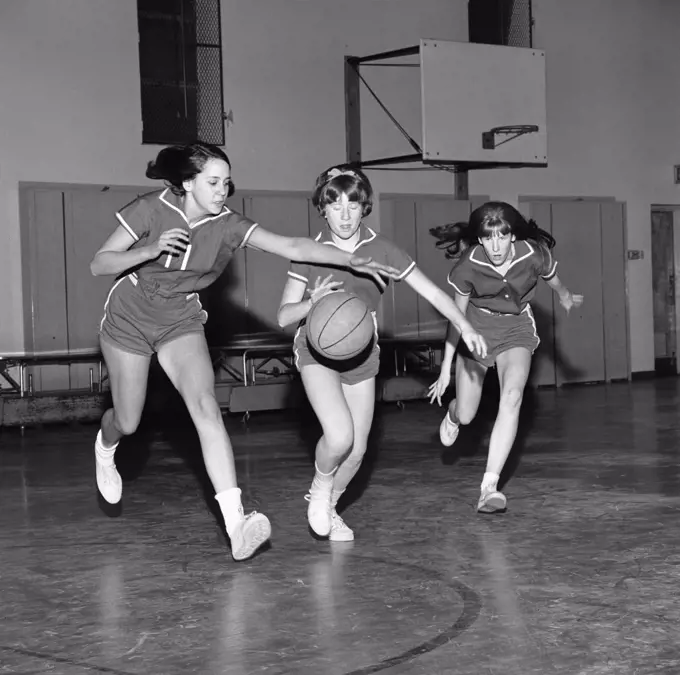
613,127
70,110
70,107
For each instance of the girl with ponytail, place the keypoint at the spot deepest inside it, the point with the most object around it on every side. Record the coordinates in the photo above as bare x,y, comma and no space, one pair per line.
499,258
169,245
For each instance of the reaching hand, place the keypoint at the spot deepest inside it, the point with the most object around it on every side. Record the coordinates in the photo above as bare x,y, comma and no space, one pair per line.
570,300
437,389
323,287
474,341
375,269
174,242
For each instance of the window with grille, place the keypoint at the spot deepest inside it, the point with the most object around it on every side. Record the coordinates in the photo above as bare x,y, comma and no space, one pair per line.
500,22
180,61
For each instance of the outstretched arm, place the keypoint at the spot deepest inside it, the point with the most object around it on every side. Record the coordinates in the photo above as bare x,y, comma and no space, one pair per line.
444,304
453,334
307,250
439,387
567,298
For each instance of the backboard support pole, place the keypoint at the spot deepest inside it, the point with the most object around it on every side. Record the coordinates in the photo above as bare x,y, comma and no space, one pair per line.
461,186
352,110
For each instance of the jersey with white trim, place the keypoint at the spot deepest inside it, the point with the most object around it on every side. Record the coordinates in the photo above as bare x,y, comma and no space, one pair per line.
476,276
212,243
370,244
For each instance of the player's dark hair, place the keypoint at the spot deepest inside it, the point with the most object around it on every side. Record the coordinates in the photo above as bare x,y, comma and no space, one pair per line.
178,163
338,180
489,217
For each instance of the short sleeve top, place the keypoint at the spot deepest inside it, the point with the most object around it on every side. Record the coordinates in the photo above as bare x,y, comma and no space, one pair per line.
213,242
475,276
370,244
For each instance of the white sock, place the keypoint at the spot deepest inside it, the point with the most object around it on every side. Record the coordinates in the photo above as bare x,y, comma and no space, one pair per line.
490,481
104,454
231,507
335,496
324,477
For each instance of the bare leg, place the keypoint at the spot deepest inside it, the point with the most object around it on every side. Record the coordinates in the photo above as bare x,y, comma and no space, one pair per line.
462,409
128,374
470,376
187,363
513,371
327,398
360,399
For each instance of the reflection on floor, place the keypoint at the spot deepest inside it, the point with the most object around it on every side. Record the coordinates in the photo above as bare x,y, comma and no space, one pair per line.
580,576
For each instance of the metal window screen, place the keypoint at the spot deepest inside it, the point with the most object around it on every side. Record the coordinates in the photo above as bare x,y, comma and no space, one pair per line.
519,31
180,50
500,22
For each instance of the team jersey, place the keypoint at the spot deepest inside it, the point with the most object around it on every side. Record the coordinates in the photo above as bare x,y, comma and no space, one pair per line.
474,275
213,241
371,245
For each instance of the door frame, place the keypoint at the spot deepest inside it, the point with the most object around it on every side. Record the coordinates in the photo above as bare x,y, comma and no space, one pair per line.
675,210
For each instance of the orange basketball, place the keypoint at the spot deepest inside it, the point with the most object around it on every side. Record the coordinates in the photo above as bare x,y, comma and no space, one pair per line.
340,326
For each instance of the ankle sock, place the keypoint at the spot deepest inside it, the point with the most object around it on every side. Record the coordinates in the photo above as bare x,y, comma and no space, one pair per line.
231,507
490,481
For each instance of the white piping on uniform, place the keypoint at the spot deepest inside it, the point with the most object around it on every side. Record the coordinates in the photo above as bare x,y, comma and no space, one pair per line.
108,297
296,352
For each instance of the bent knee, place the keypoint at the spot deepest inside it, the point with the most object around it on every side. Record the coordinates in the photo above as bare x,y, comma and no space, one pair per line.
512,397
465,417
127,424
339,440
203,405
356,456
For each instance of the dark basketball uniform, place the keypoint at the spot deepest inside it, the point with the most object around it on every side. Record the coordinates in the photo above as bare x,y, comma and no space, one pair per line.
499,304
382,250
158,301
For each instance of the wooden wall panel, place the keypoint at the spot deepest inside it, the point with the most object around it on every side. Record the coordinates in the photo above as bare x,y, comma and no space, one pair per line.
615,303
266,274
89,219
579,337
543,307
431,212
225,300
45,308
400,227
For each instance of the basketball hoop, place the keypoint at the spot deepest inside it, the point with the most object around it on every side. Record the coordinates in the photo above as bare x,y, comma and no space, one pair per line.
489,137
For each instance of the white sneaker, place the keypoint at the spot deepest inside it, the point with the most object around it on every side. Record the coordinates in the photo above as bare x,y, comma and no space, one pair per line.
448,431
109,482
253,531
339,529
491,501
319,509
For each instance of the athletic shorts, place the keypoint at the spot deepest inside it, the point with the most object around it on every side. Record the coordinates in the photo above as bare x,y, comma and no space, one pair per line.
501,332
359,368
138,319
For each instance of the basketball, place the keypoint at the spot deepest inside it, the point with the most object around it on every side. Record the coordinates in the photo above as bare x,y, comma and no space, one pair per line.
340,326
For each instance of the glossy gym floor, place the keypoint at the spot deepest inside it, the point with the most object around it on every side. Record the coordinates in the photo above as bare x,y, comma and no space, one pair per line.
580,576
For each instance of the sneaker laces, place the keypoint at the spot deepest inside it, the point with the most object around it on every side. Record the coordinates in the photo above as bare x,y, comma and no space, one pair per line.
337,521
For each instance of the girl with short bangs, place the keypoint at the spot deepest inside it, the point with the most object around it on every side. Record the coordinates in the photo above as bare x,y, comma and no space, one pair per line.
342,394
